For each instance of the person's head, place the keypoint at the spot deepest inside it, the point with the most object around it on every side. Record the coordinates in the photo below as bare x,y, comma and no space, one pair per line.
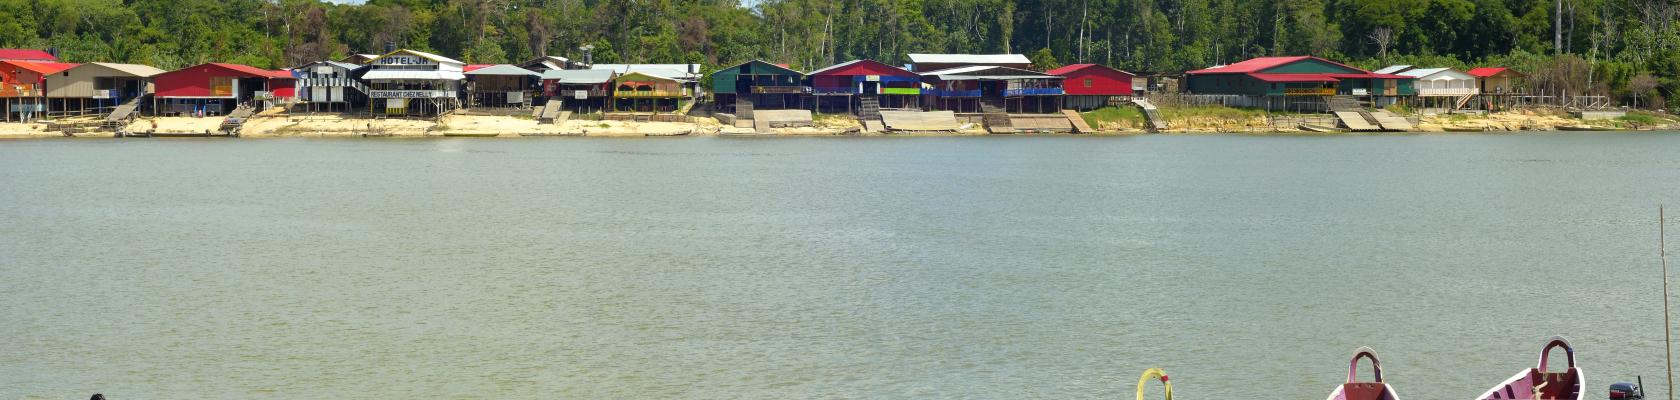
97,396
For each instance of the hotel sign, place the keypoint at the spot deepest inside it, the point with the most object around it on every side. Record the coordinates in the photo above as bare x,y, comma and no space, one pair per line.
409,94
400,59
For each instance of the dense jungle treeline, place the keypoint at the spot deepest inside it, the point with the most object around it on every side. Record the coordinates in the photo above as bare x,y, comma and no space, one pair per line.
1629,49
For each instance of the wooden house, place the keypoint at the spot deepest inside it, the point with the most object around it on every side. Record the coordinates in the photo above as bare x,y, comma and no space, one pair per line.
1496,80
644,92
1301,83
686,74
848,86
331,86
933,62
578,90
1441,88
218,88
501,86
758,85
413,83
98,88
1091,86
23,87
30,55
992,90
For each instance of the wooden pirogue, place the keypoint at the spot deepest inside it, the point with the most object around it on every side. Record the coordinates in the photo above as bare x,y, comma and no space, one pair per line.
1537,383
1355,390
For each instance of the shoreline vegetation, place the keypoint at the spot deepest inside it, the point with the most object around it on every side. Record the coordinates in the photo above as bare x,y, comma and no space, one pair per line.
1107,121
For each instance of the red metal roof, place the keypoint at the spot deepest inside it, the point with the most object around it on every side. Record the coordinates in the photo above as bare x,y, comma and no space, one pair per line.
1259,64
1484,72
1369,75
862,67
1286,78
1076,67
42,67
254,71
474,67
26,55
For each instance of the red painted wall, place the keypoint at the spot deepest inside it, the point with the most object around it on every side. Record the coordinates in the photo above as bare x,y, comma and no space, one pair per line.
1104,82
194,81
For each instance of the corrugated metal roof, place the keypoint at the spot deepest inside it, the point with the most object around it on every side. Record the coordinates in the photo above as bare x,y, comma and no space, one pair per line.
1484,72
1260,64
137,70
1393,69
27,55
677,71
578,76
1418,73
413,74
969,59
988,72
1285,78
41,67
1076,67
502,70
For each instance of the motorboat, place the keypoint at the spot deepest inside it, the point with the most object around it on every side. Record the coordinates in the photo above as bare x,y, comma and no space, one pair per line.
1355,390
1540,383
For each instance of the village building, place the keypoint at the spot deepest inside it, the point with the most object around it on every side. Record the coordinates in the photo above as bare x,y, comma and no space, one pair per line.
1298,83
992,90
1444,89
922,63
547,63
501,86
687,74
218,89
359,59
644,92
409,83
23,89
758,85
30,55
1092,86
857,85
101,88
578,90
331,86
1496,80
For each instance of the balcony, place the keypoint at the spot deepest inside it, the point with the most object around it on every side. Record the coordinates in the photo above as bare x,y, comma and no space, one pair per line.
779,90
955,93
1309,92
410,94
901,91
646,94
1032,92
1446,92
833,90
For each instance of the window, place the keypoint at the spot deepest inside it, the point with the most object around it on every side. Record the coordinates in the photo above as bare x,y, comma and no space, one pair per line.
1274,86
221,86
1088,82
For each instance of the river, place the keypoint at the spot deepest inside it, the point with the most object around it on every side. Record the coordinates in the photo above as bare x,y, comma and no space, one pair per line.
955,267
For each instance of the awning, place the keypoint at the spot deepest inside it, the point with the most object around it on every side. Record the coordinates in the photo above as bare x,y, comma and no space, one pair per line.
503,70
413,74
578,76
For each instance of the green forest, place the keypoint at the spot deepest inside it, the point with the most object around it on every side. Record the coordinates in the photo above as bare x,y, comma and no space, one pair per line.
1629,49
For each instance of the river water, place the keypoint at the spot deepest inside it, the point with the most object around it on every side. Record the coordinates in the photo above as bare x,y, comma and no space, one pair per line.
971,267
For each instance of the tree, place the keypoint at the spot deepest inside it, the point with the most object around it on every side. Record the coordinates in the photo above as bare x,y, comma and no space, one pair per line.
1045,60
1641,85
1382,37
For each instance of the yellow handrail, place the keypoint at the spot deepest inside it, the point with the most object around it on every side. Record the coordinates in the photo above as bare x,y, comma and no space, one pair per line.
1154,373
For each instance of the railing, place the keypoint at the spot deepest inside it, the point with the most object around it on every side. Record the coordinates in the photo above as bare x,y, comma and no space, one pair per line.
1032,92
646,93
834,90
956,93
1309,92
779,89
105,94
410,94
1446,91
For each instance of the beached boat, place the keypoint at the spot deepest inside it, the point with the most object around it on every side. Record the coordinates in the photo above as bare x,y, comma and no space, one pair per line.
472,134
1586,128
1319,128
1538,383
1465,129
1355,390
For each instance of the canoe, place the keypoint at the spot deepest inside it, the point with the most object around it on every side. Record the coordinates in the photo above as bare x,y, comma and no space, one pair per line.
472,134
1585,128
1355,390
1464,129
1539,383
1319,128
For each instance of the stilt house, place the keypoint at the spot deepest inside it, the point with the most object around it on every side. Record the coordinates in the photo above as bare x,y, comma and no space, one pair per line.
1091,86
414,83
101,88
853,85
23,87
218,88
758,85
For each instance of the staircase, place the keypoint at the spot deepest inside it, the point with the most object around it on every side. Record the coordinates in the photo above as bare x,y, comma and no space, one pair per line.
125,111
995,116
743,108
869,107
1463,101
1348,106
1152,119
550,111
235,119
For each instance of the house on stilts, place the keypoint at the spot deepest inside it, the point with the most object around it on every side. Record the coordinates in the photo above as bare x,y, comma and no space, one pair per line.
922,63
102,89
501,86
410,83
578,90
758,85
1091,86
218,89
1498,87
1297,83
993,90
23,88
331,86
646,92
1436,89
864,87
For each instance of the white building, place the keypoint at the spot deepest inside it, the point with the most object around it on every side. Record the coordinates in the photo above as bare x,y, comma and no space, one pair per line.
414,83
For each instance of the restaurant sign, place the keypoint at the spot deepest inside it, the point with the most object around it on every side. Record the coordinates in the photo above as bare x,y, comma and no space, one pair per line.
408,94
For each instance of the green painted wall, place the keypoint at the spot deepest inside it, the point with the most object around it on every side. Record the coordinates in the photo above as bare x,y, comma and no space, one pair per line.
1309,66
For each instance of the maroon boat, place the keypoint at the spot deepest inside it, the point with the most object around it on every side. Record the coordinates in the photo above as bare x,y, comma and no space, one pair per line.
1540,384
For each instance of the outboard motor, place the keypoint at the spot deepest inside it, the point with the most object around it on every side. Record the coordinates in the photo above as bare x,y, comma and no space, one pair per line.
1626,391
